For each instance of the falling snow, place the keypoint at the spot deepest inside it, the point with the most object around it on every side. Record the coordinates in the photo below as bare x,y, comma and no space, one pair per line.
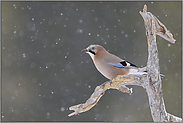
24,55
45,67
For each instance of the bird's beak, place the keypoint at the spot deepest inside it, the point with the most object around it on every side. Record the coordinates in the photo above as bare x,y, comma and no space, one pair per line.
84,50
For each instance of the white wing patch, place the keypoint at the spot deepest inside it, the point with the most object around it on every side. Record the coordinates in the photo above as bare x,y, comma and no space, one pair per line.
127,64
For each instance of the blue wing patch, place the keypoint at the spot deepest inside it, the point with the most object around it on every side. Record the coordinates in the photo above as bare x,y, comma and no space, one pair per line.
119,65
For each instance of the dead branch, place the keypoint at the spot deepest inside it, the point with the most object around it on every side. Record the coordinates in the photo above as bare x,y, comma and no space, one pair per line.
150,82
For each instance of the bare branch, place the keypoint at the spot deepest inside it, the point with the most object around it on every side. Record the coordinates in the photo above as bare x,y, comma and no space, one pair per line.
151,82
117,83
160,28
153,87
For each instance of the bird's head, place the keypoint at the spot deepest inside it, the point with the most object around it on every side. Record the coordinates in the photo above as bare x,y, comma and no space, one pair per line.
94,50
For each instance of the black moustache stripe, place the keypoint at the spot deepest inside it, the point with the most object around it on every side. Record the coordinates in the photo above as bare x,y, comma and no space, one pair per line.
92,52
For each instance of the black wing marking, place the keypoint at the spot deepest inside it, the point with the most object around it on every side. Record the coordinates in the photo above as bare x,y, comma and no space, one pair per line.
126,63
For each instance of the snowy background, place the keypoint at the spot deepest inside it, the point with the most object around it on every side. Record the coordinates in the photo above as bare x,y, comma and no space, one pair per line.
44,71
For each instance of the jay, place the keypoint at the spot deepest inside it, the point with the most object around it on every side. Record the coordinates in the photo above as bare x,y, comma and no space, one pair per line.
110,65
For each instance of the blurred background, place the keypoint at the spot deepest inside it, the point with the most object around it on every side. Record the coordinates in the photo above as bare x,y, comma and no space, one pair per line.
44,71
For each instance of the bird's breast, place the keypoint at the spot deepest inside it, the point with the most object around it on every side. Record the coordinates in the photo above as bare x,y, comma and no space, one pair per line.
109,71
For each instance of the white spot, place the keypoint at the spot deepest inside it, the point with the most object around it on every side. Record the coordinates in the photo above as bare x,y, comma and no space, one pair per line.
89,33
80,21
61,14
48,113
126,35
169,45
79,30
89,86
128,64
62,109
15,32
65,57
32,18
24,55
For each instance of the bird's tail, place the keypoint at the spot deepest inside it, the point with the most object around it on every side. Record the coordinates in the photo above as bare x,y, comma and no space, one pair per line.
135,72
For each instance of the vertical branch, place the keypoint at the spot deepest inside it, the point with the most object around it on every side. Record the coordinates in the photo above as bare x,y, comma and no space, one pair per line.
153,86
154,90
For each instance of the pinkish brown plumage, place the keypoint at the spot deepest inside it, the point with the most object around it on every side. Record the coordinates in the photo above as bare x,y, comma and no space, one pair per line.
110,65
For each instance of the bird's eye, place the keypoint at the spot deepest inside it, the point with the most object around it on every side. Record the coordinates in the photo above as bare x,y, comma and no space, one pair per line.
93,48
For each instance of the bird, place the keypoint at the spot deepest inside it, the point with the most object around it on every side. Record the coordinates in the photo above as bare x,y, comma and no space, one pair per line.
110,65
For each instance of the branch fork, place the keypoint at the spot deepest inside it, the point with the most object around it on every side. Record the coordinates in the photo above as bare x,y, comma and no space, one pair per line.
151,82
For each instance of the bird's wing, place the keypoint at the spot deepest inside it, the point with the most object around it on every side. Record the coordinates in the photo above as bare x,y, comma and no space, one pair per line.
115,61
123,64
